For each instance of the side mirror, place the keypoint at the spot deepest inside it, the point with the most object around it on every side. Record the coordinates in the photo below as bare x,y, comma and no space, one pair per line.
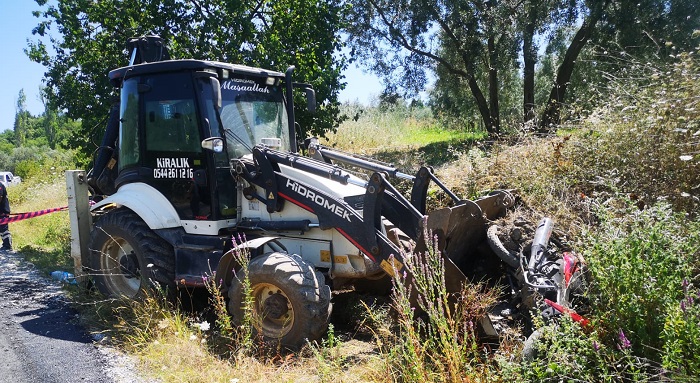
311,100
214,144
216,88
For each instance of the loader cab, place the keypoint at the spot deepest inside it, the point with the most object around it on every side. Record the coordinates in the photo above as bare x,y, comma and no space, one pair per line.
168,108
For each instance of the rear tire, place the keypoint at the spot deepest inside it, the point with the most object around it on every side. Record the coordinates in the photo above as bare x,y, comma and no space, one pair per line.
512,259
291,302
127,258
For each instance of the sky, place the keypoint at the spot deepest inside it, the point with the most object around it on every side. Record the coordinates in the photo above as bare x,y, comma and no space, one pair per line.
17,72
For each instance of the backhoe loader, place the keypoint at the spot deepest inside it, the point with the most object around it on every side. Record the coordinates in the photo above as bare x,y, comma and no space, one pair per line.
200,160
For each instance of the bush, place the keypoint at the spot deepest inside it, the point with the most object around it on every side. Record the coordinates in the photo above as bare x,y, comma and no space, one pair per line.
43,240
639,260
681,334
31,162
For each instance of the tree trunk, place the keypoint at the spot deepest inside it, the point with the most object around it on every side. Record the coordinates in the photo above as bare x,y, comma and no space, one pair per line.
495,121
529,60
481,103
551,115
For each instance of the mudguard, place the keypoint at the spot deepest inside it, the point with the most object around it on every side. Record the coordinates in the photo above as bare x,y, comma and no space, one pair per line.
228,263
146,201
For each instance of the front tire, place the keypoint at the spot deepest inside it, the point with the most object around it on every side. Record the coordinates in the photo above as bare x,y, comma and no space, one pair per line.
127,258
291,302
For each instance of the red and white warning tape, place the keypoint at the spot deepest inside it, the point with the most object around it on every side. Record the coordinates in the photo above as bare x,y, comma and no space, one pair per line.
22,216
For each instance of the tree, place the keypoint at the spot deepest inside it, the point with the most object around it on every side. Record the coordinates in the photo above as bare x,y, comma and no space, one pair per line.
551,115
627,33
7,138
463,38
477,45
22,119
470,42
540,18
49,122
91,39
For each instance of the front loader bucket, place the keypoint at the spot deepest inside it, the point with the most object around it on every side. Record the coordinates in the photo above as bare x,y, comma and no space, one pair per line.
462,228
460,232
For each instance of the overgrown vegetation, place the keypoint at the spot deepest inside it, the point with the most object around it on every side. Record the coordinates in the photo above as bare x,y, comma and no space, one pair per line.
642,267
372,130
510,61
622,185
645,142
620,182
436,338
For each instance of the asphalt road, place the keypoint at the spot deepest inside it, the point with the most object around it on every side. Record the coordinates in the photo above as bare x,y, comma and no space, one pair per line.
41,339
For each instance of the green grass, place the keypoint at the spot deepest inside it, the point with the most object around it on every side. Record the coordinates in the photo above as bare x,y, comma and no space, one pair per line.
43,240
378,131
639,269
434,134
437,331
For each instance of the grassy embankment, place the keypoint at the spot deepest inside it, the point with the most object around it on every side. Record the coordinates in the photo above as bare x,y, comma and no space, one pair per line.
44,240
624,186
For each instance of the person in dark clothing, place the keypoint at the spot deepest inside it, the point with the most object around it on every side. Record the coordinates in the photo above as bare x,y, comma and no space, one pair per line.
4,213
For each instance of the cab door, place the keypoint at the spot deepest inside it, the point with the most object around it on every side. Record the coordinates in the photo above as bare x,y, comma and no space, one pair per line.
160,140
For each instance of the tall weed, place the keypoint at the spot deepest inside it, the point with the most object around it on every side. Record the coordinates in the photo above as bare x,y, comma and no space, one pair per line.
568,353
436,338
645,139
645,318
681,335
240,338
43,240
381,129
371,128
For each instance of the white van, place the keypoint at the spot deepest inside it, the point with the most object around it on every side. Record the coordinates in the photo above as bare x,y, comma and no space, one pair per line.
8,179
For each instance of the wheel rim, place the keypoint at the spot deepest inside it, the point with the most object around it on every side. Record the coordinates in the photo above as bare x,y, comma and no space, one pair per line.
122,273
273,313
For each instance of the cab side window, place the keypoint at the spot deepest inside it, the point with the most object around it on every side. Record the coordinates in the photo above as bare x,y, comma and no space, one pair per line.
172,137
171,125
129,147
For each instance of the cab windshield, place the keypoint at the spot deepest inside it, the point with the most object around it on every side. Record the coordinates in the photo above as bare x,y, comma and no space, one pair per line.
251,113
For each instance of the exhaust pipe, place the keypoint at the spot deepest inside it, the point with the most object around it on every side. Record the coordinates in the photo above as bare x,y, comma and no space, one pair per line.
540,242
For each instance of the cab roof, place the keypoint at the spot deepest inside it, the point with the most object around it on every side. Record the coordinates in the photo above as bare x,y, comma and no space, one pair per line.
116,76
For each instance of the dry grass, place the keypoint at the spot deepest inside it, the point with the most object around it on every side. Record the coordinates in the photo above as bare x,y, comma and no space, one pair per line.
174,347
32,196
368,130
372,131
181,359
535,167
